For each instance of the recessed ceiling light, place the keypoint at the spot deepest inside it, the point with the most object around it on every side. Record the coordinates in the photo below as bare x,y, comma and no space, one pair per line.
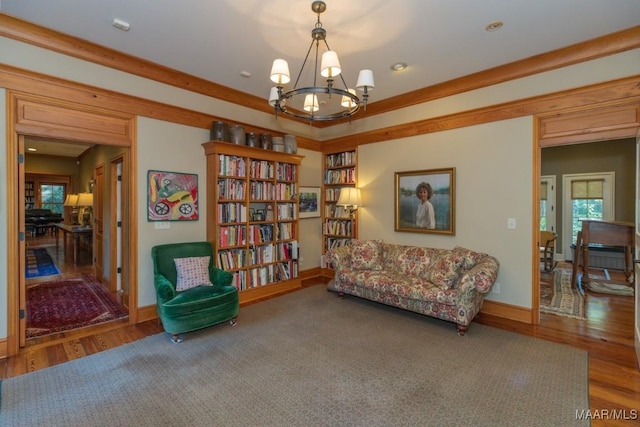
399,66
494,26
31,149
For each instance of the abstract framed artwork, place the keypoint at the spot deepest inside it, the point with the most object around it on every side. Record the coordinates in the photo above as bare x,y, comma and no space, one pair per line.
172,196
309,201
425,201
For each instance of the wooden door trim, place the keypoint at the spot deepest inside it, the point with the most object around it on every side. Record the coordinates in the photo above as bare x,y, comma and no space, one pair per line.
575,126
14,253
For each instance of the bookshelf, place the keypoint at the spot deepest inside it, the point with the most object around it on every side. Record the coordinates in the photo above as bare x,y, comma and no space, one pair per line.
252,217
29,195
339,172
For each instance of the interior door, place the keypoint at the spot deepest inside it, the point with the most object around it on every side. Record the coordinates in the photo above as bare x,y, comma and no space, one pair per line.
98,219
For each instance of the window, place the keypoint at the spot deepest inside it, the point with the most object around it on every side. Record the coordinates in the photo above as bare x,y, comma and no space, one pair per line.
585,196
547,203
52,197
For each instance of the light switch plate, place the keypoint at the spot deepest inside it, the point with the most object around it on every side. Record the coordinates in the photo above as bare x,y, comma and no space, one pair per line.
511,223
163,225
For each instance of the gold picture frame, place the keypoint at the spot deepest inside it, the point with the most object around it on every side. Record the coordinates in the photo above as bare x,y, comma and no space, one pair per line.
435,212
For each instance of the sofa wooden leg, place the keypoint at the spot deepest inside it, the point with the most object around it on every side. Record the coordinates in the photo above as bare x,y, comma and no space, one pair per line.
341,295
462,329
175,338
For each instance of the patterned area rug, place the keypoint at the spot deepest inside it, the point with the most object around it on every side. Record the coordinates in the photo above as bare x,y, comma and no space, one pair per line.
561,298
39,263
72,303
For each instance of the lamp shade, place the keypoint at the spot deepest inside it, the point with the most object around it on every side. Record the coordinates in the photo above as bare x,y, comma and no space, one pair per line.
350,196
365,80
85,199
280,72
273,96
348,102
311,102
330,65
71,200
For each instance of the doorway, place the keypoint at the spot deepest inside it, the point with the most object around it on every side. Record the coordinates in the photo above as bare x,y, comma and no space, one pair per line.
81,266
63,121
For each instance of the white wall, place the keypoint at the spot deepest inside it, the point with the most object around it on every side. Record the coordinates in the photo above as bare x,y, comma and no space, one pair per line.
176,148
493,178
310,229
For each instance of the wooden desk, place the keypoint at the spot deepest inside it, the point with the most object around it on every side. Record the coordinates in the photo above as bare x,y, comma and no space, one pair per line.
609,233
76,231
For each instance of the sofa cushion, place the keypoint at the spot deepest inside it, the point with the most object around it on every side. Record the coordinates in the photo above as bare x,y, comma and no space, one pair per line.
366,254
192,272
447,269
469,257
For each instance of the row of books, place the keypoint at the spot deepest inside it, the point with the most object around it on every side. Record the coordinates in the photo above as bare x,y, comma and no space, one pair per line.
265,275
338,227
285,191
335,211
234,259
336,242
232,235
342,176
286,231
347,158
332,194
232,165
261,169
286,211
286,270
261,233
286,172
232,189
232,212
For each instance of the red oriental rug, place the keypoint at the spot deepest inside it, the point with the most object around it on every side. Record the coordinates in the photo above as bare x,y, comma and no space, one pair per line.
71,303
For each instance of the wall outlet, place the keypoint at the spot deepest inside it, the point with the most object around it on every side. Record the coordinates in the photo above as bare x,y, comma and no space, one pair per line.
511,223
301,260
495,289
162,225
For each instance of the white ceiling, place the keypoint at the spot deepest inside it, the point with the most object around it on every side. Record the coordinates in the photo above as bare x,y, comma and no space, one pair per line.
439,39
218,39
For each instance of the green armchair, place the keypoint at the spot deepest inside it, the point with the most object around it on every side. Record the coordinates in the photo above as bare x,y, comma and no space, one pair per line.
185,301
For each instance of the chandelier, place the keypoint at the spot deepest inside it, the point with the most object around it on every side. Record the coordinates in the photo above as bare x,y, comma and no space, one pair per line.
316,102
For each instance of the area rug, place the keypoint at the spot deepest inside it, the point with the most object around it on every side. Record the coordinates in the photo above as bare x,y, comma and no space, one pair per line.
562,298
67,304
39,263
309,358
610,288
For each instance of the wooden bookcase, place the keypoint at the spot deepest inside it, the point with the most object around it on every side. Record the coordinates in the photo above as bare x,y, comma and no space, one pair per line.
339,172
252,217
29,195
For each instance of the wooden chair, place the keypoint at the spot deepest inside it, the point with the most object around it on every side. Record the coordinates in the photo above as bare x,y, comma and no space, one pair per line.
548,249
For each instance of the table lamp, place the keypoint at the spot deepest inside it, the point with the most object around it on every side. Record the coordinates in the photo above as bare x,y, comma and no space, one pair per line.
85,200
72,200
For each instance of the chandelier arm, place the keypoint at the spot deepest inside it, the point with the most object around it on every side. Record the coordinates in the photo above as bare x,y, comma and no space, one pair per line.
303,64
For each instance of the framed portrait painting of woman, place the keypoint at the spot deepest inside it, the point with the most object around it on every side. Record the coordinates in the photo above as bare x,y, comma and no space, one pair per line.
425,201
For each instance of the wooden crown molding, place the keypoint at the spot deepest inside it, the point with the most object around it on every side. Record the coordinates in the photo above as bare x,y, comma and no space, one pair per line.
27,32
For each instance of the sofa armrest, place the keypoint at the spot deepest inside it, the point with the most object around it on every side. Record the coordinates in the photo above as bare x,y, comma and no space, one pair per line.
481,276
220,277
165,290
340,258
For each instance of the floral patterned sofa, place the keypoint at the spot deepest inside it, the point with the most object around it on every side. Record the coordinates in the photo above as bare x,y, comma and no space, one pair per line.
448,284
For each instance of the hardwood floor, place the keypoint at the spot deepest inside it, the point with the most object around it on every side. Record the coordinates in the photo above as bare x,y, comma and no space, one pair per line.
607,334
